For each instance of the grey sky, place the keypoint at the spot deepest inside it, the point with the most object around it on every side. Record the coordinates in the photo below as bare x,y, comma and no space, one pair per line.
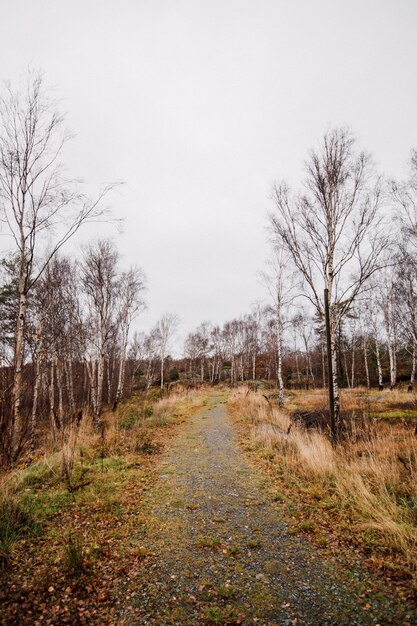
199,105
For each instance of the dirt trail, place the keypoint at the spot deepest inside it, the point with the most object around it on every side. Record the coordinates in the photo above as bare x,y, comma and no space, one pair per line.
220,551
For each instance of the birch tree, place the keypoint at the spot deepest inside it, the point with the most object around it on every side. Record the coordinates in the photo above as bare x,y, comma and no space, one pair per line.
388,305
165,330
36,200
333,229
99,275
372,312
278,280
131,290
405,289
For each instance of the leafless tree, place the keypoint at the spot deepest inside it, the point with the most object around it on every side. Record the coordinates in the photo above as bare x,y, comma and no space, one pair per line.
333,231
388,306
36,200
279,281
303,326
165,329
131,290
404,194
99,274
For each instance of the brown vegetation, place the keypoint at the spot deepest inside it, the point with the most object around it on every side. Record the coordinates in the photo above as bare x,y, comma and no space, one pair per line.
66,538
363,491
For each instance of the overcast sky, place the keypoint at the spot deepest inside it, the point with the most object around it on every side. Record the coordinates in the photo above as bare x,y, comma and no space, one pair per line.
200,105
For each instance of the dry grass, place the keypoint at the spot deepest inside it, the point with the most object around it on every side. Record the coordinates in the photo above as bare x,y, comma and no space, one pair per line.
89,459
134,426
359,401
370,481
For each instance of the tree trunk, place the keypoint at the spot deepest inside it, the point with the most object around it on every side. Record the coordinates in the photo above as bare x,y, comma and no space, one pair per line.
70,385
413,369
310,368
392,364
280,380
52,404
365,358
91,370
392,341
346,369
298,370
59,377
122,368
35,406
378,364
336,390
100,381
17,420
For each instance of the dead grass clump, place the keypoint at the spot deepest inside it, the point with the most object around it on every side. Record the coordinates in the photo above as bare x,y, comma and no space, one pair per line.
372,478
315,454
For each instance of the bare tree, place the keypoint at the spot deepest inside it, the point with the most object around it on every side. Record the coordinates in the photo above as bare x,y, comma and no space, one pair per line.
165,329
278,280
303,325
372,313
387,303
131,289
36,200
405,298
99,274
333,231
405,196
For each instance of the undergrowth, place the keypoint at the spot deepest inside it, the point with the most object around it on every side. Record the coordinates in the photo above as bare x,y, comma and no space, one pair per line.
89,473
367,486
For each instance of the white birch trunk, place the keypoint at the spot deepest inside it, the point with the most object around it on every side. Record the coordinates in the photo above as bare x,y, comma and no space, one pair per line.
336,389
52,404
392,364
378,365
33,420
17,420
100,381
279,361
59,377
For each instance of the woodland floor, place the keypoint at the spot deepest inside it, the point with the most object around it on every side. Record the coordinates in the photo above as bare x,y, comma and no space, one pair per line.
196,539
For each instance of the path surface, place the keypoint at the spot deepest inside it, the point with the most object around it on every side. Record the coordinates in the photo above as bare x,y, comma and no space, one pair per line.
220,551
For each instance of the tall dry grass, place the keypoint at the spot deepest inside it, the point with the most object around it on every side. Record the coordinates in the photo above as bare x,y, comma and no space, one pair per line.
357,401
371,478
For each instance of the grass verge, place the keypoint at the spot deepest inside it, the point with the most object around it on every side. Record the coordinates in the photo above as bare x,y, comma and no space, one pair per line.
64,549
363,492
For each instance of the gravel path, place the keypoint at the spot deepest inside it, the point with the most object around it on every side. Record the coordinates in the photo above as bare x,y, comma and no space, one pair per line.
219,549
